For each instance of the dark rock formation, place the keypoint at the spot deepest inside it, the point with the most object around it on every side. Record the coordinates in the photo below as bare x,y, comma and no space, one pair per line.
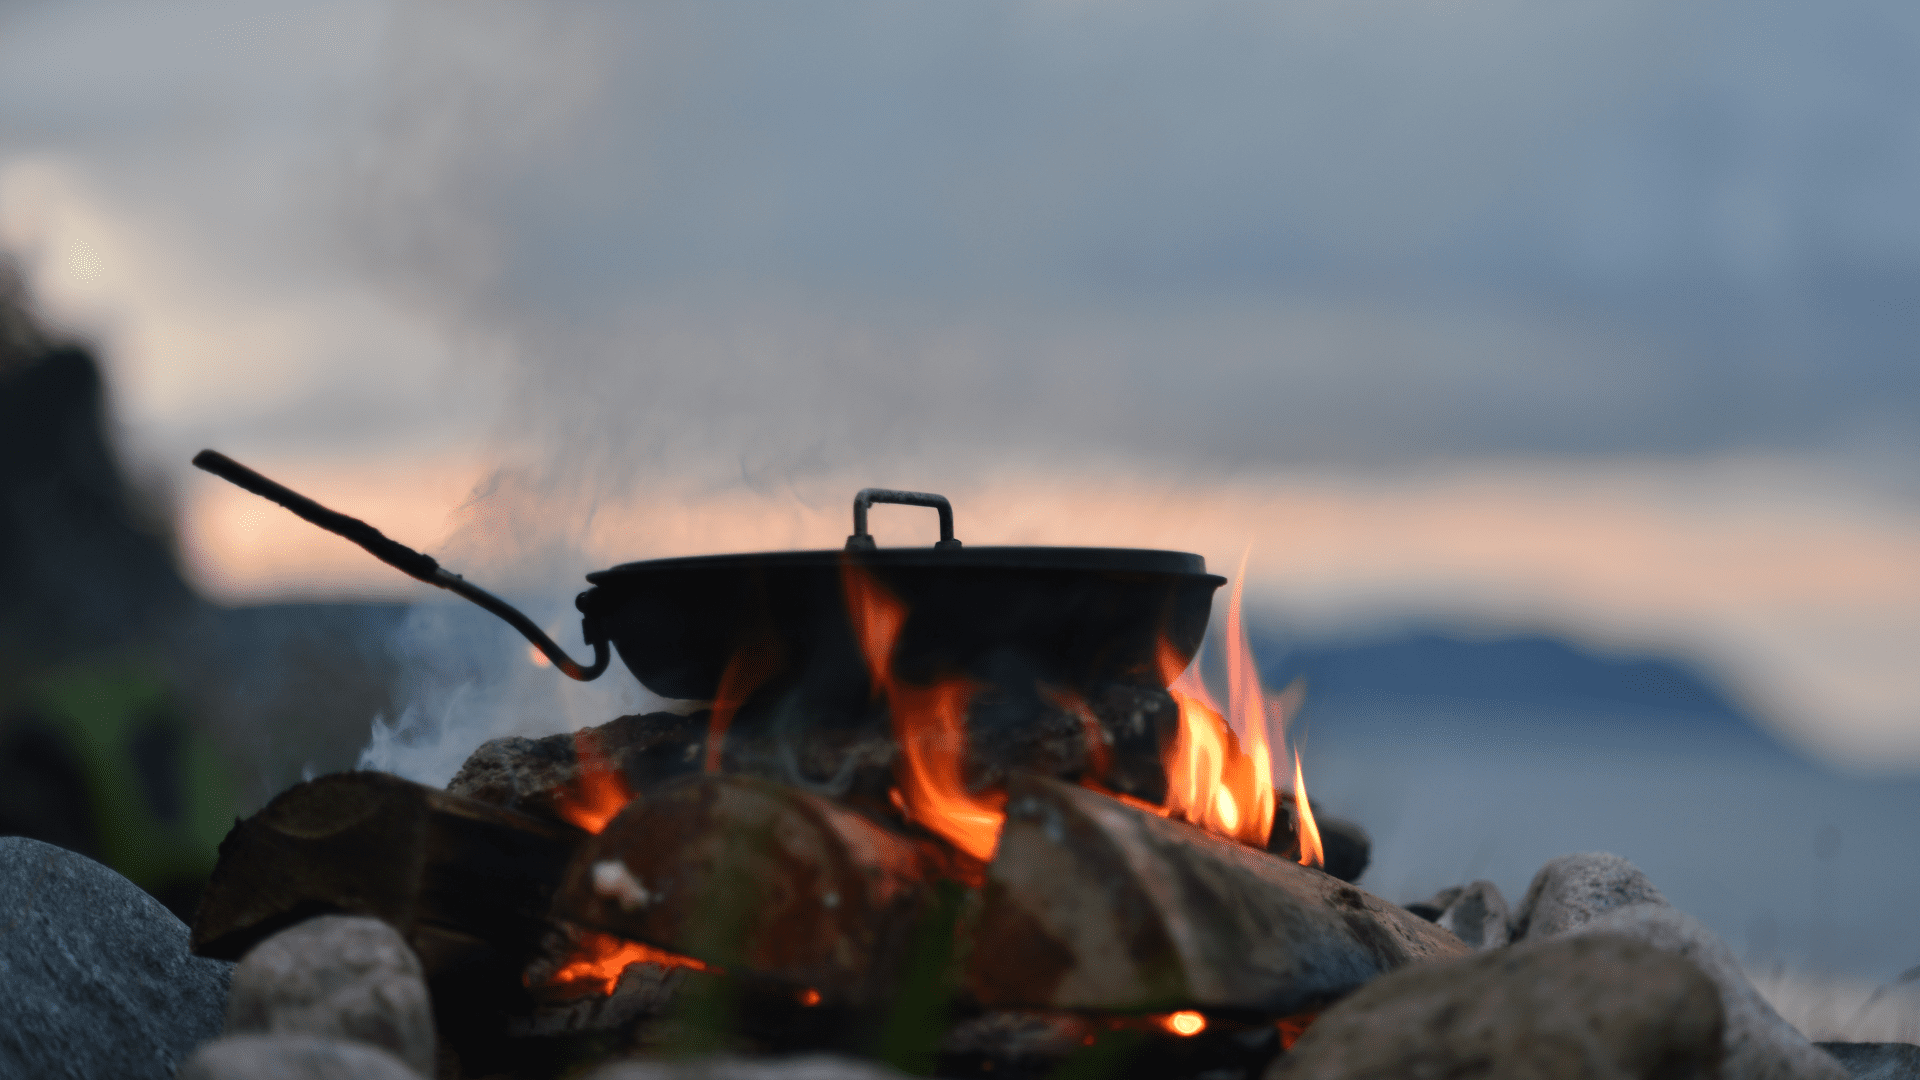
97,978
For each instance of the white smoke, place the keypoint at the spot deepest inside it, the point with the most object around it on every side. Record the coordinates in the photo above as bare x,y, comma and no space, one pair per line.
468,677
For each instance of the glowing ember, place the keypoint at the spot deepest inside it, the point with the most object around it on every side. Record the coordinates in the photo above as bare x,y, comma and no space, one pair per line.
599,960
809,997
1185,1022
929,724
1292,1027
598,790
539,658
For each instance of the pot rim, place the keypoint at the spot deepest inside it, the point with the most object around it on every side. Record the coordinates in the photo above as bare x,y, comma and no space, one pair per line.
1054,559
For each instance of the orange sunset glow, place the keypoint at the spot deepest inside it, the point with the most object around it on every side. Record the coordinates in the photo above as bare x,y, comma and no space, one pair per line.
1750,580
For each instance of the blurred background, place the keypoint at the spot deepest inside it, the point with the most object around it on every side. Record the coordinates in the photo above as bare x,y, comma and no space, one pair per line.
1553,367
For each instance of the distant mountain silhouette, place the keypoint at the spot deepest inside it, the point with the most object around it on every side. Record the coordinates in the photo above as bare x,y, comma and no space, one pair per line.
1402,684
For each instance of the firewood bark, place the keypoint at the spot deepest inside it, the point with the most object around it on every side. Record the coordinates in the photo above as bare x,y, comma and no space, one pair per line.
436,867
1093,904
760,879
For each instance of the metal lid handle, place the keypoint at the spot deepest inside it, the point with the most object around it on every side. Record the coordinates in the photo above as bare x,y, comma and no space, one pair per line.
861,540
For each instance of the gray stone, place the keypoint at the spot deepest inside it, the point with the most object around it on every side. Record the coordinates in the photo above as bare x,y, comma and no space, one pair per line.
95,977
1876,1061
340,976
1477,915
1573,889
802,1067
1435,906
292,1057
1594,1007
1759,1044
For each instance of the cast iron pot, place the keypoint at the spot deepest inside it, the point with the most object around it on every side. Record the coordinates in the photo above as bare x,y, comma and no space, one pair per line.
1069,618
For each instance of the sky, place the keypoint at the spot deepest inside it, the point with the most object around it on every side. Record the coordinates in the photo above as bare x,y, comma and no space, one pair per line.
1593,318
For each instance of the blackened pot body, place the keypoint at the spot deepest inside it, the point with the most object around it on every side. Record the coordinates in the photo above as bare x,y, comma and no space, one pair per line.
1066,619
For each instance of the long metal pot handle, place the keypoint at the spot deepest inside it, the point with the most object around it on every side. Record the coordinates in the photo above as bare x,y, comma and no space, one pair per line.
404,559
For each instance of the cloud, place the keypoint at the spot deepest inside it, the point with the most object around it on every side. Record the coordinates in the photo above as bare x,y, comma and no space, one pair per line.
1795,583
742,256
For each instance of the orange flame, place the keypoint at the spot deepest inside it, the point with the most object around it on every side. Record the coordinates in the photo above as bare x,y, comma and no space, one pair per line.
1215,779
929,724
598,790
1311,851
1211,781
747,668
599,960
1247,713
1198,762
1184,1023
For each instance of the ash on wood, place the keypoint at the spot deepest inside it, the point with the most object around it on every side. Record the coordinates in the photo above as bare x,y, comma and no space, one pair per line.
1093,904
761,879
437,867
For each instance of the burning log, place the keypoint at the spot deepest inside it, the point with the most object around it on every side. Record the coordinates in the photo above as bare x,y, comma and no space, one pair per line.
1093,904
1344,845
761,879
441,869
1115,737
535,775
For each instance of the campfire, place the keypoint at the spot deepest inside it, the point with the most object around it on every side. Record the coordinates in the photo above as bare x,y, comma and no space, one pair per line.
960,810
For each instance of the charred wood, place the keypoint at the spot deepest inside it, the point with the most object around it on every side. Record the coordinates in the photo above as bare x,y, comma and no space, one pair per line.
530,774
1346,846
1093,904
759,878
1117,737
449,873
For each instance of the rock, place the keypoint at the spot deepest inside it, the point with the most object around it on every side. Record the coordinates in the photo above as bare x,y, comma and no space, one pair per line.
1759,1044
95,977
1876,1061
1573,889
338,976
1477,915
292,1057
1593,1007
1431,909
804,1067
